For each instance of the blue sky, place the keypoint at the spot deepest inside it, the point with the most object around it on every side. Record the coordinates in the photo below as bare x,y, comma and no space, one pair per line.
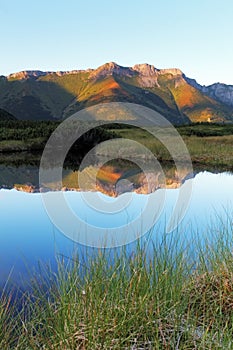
195,36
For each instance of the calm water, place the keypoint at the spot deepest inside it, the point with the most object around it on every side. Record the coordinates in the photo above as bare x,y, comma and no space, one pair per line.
27,234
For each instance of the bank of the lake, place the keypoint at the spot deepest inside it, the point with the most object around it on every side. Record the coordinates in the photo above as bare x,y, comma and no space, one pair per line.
164,291
161,300
209,144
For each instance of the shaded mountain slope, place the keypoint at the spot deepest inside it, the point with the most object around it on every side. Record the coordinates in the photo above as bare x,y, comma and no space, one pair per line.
4,115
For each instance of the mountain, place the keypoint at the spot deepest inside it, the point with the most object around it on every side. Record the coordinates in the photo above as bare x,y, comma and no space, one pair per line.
57,95
4,115
220,92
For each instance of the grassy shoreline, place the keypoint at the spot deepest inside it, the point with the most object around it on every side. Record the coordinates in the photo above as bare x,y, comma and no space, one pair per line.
161,300
164,300
215,151
208,144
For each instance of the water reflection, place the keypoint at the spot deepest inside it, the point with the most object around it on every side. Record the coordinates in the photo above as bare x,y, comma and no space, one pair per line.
27,234
21,171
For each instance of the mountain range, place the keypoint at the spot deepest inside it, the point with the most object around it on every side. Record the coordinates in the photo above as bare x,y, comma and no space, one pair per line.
37,95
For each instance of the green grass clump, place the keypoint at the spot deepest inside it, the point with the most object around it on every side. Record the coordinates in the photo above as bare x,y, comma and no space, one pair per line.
155,298
6,322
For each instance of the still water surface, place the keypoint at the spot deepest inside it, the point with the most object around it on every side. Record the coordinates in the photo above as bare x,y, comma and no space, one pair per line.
27,234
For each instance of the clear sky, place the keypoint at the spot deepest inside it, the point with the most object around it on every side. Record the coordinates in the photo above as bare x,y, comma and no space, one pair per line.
193,35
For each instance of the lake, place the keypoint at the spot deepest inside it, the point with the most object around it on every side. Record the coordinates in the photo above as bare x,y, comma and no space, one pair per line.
28,235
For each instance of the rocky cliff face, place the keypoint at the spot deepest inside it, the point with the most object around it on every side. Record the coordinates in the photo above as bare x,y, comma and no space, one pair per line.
220,92
146,73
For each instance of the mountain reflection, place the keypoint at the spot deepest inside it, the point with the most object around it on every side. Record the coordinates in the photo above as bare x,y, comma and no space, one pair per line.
110,177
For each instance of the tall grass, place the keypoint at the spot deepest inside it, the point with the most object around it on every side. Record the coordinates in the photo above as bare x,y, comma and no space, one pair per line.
214,150
157,298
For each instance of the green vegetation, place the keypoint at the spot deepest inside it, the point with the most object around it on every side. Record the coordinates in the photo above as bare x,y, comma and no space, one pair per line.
36,144
34,100
156,298
33,135
206,129
209,145
26,130
16,136
215,151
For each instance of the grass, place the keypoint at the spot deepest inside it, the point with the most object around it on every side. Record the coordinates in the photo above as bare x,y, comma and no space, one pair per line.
207,145
213,150
149,299
35,144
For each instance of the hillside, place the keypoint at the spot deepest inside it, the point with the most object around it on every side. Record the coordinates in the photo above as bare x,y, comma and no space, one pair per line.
4,115
40,95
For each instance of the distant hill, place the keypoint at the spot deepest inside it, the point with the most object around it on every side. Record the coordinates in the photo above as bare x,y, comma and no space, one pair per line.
40,95
4,115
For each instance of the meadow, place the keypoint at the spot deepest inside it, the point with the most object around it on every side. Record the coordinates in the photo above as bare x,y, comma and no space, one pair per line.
208,144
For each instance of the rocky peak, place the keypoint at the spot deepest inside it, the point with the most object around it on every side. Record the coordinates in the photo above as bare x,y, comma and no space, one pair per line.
148,75
27,74
145,69
110,69
172,71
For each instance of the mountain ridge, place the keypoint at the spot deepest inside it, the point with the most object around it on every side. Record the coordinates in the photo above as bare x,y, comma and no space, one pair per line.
107,68
35,94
